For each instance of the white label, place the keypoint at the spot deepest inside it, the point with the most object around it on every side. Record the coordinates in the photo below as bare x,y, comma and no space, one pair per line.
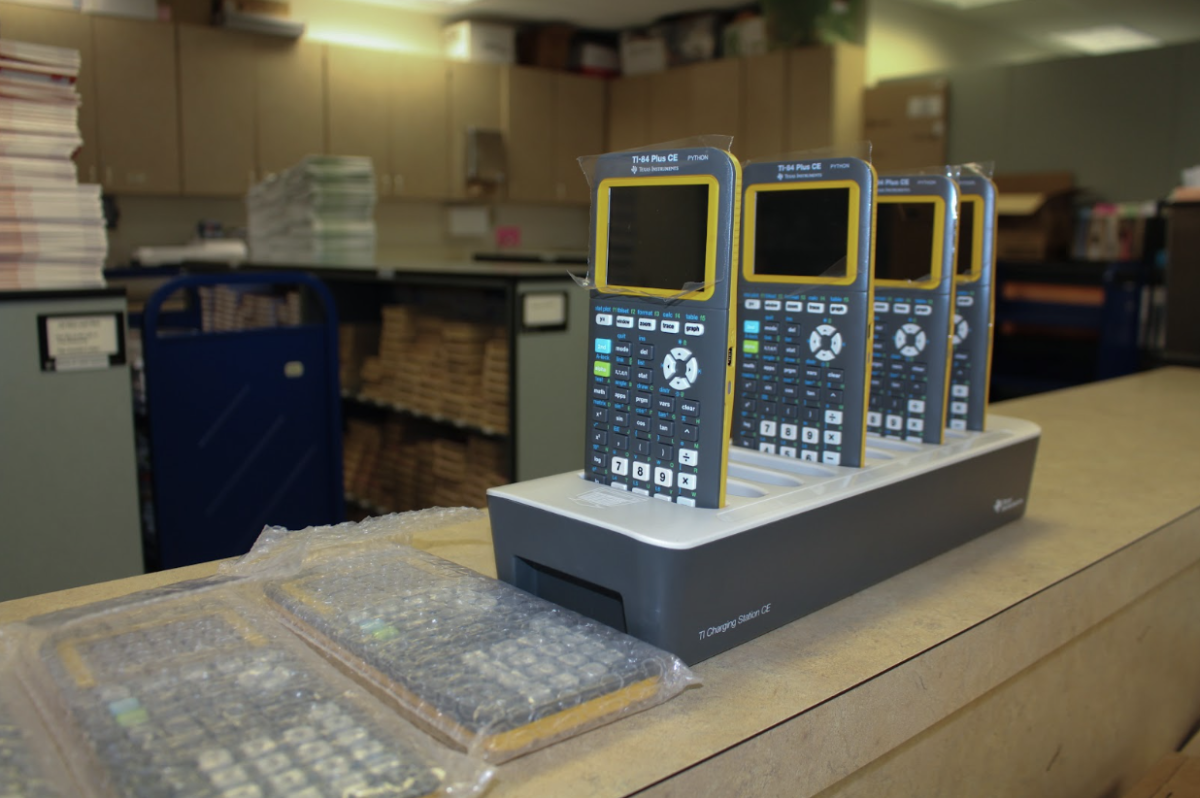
544,310
78,343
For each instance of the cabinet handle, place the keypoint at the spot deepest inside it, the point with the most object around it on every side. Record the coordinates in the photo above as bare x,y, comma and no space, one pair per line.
385,185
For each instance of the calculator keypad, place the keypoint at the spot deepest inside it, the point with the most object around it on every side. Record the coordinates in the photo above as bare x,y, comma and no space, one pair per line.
906,375
649,425
966,407
801,365
191,707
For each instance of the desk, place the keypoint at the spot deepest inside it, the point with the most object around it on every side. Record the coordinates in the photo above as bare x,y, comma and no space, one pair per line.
1056,656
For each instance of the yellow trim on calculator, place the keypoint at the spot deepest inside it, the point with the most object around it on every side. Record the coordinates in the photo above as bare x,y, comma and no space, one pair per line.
710,243
977,221
751,220
939,242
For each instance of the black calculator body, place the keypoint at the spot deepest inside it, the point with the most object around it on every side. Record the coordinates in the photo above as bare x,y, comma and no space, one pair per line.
804,309
914,292
974,302
660,358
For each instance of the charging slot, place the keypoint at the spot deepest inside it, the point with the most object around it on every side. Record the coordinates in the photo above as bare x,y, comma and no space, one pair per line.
586,598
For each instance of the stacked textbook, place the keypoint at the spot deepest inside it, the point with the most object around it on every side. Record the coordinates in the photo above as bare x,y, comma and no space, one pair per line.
52,231
320,211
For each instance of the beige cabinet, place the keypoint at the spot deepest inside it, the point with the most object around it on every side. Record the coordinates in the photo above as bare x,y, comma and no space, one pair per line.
393,109
629,103
475,102
216,110
530,129
715,99
137,110
825,97
580,110
63,29
772,104
550,119
419,151
289,121
764,110
357,98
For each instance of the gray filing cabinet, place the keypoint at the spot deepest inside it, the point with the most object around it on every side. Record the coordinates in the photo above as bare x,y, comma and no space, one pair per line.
68,476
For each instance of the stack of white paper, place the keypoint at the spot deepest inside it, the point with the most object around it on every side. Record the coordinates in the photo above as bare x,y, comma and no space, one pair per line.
51,228
319,211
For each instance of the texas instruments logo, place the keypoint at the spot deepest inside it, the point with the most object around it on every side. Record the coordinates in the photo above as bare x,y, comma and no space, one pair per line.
1004,505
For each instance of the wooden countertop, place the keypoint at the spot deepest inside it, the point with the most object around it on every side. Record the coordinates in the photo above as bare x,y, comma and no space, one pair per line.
1117,475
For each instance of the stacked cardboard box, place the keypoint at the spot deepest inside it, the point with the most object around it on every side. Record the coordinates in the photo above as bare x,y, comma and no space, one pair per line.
447,369
356,342
395,465
224,308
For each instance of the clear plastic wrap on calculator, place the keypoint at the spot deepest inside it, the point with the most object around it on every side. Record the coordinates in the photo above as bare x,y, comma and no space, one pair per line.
29,765
205,694
479,663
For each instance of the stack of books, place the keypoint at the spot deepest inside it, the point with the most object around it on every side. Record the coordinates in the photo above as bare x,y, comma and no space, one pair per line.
52,232
320,211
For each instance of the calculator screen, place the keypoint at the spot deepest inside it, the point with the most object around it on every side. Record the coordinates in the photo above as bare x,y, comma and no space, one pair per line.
802,233
966,237
657,235
904,236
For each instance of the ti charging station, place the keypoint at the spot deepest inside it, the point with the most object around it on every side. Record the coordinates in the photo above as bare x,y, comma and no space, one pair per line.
793,537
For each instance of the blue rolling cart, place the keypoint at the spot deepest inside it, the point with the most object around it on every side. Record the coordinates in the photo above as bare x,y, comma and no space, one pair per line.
244,427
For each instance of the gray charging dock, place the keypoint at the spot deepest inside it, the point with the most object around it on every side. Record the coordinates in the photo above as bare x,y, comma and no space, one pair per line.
793,537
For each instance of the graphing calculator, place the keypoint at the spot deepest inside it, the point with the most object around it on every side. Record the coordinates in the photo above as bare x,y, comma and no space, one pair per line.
660,365
471,658
914,290
974,302
804,309
194,699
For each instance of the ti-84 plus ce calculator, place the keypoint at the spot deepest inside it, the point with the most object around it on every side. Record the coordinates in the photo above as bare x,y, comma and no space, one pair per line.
660,360
804,315
914,286
973,302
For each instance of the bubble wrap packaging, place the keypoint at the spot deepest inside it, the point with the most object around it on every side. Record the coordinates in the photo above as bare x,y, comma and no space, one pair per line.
29,765
203,693
477,662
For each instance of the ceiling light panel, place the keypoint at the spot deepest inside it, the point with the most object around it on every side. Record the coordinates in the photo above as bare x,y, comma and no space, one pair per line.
1104,39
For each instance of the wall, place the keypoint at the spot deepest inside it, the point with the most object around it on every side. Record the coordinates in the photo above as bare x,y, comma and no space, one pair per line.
1124,124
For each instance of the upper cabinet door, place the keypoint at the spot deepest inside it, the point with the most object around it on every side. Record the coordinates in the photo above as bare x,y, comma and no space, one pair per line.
290,105
137,106
715,99
529,133
420,127
357,106
216,105
475,101
671,106
629,102
579,116
764,106
825,96
63,29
